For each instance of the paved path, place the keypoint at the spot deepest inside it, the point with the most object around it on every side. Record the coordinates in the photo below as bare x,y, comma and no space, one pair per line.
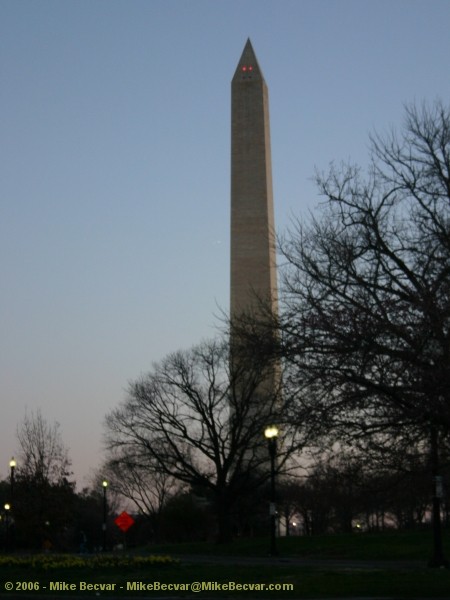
328,563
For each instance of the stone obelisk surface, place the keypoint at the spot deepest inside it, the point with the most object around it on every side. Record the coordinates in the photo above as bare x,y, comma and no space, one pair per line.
253,289
253,255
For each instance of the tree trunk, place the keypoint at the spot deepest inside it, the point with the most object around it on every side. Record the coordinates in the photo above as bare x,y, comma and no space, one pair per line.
224,533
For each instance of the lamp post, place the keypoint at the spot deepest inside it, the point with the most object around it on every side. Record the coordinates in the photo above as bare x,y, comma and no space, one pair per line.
12,511
105,513
12,467
271,434
7,508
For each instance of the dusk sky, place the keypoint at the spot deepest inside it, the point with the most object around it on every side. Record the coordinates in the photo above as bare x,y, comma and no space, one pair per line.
115,172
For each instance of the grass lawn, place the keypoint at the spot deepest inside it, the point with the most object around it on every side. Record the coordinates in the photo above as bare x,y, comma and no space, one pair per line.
131,576
361,546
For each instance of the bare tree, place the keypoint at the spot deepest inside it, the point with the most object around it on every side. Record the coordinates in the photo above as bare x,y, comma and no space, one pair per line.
42,454
366,286
147,487
196,420
44,496
366,314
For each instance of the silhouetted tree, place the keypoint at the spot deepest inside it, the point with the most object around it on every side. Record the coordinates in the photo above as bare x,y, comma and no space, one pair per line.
42,454
148,488
196,420
44,496
366,295
365,319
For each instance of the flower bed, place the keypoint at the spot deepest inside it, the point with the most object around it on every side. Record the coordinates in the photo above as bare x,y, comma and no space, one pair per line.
70,561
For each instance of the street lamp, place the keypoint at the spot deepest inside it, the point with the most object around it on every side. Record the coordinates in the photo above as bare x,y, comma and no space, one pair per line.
12,512
12,466
271,434
105,513
7,508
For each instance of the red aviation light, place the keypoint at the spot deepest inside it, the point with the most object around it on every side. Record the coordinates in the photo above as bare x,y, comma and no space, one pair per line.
247,68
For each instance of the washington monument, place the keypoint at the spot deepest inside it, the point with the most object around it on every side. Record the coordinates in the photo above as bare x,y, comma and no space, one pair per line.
253,289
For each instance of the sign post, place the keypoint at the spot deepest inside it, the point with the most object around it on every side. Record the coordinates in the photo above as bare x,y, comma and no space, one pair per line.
124,521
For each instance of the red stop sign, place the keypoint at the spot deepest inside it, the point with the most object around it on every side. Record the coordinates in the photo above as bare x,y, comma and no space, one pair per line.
124,521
